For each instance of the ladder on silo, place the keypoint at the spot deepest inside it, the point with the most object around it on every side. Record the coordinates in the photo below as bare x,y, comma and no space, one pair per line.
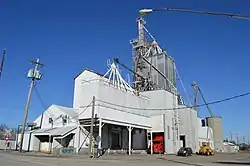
176,121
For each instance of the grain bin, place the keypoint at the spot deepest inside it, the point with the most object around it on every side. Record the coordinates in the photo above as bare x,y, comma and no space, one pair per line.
215,123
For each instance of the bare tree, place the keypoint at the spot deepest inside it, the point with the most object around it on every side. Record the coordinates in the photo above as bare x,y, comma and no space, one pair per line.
5,130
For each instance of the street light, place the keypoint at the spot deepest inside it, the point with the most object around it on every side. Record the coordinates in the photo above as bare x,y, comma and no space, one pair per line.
144,12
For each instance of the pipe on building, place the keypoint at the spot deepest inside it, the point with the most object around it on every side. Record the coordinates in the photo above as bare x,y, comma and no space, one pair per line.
165,133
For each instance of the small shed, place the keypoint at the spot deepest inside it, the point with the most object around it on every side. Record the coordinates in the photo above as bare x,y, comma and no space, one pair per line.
230,147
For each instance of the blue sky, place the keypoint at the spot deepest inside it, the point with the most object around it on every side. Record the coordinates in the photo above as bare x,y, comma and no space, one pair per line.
69,36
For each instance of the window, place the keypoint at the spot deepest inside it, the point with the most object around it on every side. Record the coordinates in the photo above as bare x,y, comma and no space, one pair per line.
203,122
168,132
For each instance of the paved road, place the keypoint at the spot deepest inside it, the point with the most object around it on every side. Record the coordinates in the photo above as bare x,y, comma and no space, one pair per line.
12,159
9,159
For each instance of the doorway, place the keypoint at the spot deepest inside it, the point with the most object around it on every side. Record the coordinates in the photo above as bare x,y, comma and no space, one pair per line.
183,139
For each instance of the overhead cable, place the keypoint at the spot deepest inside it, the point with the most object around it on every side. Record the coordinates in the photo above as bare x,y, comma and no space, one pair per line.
50,112
179,108
86,107
41,101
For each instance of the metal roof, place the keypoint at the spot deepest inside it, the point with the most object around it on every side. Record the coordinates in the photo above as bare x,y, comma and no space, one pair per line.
68,111
58,131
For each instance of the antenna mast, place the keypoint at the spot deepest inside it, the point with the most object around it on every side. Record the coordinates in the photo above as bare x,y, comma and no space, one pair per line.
141,36
2,62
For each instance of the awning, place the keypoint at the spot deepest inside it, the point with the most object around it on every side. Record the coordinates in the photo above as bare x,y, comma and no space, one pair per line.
55,132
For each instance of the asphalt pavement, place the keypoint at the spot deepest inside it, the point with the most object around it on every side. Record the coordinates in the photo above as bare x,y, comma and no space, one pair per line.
17,159
10,159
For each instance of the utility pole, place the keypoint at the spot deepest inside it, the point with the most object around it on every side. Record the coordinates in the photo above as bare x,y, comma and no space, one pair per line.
237,138
91,126
194,84
231,137
2,62
34,74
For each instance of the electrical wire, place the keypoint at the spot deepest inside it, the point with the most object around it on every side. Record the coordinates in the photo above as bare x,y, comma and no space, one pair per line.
86,107
74,117
179,108
185,91
50,112
41,102
105,106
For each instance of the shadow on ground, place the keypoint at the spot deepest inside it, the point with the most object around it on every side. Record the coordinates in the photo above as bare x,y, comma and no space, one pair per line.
179,162
232,162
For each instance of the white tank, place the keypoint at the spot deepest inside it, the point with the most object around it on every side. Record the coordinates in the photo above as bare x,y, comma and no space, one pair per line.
215,123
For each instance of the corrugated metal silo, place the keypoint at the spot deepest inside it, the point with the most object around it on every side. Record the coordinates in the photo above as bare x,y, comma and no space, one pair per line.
165,64
216,124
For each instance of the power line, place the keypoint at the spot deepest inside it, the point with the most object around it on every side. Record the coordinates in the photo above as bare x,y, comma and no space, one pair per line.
135,113
86,107
179,108
51,113
41,101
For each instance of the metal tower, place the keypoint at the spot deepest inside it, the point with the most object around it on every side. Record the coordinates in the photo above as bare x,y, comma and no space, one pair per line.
154,68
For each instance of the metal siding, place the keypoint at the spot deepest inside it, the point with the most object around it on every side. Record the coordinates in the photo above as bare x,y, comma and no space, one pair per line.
84,97
188,127
168,141
26,141
204,134
162,99
53,112
84,89
139,139
104,92
159,99
122,114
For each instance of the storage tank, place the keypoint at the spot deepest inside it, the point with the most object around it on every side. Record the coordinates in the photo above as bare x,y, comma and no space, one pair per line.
165,64
216,124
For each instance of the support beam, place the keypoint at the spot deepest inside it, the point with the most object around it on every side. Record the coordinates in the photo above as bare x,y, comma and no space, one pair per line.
100,134
50,144
78,137
129,139
151,142
91,127
165,133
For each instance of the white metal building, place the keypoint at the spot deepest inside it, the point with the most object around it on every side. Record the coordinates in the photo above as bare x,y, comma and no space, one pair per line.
230,147
119,124
205,134
162,120
192,132
57,129
189,128
123,119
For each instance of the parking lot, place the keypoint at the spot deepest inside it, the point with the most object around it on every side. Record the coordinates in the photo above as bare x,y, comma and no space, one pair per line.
14,158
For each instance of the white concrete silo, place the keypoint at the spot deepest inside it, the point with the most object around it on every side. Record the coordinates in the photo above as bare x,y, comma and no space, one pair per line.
215,122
